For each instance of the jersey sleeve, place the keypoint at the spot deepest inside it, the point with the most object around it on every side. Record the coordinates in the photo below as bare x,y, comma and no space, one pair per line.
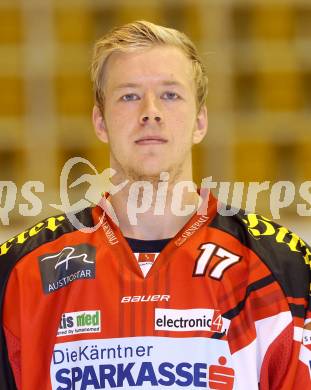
14,353
303,375
11,253
286,364
283,335
7,379
11,326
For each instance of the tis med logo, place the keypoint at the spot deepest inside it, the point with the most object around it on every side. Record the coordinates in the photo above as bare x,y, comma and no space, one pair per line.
79,322
64,267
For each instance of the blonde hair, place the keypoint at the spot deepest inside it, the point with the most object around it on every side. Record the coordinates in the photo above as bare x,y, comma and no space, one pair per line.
143,34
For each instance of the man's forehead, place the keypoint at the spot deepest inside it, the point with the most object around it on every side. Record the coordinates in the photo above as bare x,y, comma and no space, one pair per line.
163,64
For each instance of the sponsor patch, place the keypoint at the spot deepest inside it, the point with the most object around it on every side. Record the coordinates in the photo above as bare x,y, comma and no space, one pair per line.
145,298
143,363
209,320
306,335
191,230
50,224
146,261
79,322
64,267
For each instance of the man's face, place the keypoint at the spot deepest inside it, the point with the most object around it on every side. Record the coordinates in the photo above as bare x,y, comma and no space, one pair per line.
150,114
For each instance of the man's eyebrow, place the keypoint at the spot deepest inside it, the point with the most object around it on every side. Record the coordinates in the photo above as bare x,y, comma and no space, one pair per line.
135,85
127,85
172,83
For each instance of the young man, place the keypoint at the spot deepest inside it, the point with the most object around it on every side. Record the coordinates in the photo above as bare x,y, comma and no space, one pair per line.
181,298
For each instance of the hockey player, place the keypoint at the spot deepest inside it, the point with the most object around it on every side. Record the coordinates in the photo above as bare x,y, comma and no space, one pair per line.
167,292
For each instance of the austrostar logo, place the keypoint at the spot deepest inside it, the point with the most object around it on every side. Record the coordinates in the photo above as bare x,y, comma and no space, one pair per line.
67,265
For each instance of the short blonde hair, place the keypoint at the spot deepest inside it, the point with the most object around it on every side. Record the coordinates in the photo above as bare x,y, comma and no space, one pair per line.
142,34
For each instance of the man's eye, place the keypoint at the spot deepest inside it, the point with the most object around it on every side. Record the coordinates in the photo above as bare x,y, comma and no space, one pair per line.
170,95
129,97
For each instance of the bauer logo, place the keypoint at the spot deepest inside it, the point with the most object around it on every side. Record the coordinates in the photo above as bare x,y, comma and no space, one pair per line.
173,320
79,322
67,265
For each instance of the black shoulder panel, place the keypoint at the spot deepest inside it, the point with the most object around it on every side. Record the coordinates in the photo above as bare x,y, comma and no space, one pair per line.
286,255
15,249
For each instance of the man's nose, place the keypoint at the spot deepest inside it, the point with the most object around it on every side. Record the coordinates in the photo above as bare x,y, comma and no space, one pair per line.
150,112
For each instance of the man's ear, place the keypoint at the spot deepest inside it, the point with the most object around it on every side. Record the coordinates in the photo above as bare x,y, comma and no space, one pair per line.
99,124
201,126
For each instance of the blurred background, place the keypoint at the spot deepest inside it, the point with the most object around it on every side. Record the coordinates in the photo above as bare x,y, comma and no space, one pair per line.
258,55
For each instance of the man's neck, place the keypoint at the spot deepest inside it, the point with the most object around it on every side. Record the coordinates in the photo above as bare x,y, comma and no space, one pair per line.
152,215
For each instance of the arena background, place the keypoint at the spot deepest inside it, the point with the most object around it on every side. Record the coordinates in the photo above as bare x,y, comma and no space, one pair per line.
258,56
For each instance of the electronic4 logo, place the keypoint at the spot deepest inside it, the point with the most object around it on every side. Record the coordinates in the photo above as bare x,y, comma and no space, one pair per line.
185,320
217,322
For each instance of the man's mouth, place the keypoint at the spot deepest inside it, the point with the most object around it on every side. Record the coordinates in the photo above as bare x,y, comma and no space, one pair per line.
152,140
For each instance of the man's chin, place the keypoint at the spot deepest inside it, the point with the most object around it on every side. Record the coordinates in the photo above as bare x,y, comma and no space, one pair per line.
146,174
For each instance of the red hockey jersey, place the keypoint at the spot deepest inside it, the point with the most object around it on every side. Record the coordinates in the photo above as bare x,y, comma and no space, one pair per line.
222,307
